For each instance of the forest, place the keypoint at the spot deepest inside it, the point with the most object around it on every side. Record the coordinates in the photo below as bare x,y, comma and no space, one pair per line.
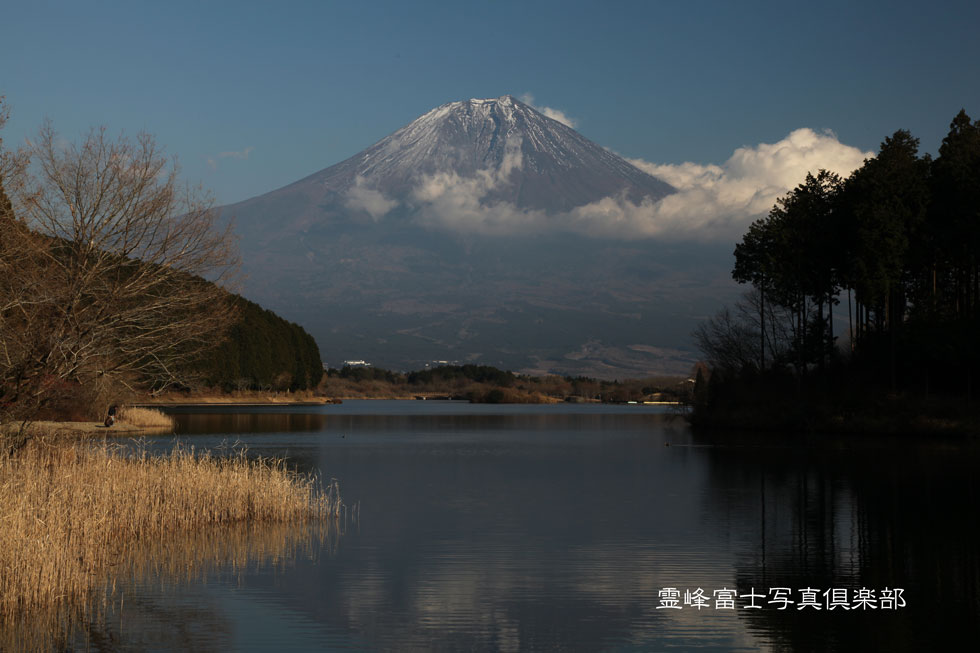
261,351
862,309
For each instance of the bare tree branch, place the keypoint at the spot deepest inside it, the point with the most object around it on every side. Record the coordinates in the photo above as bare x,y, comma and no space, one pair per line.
105,266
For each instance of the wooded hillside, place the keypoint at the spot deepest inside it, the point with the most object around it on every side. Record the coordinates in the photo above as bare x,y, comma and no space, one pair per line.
262,352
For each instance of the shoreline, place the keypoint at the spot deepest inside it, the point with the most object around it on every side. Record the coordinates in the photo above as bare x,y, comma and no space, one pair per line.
232,400
812,421
205,404
70,428
222,402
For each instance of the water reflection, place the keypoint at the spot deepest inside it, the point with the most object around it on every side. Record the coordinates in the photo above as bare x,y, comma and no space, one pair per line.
145,603
840,514
531,530
239,423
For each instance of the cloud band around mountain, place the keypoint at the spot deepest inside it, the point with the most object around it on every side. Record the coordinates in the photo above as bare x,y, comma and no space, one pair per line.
720,201
373,202
712,202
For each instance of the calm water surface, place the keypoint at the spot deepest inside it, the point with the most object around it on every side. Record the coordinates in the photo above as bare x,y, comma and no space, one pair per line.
562,527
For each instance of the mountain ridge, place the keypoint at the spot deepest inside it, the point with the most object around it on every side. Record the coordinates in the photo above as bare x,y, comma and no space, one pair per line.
561,169
444,241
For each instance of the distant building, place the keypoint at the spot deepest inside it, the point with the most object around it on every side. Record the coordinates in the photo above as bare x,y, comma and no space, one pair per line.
437,363
357,364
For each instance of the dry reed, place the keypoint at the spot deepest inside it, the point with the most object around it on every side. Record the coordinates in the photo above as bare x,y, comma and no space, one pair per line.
145,418
222,552
70,511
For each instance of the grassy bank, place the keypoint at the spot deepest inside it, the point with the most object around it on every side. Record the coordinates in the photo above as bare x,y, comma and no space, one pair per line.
70,510
145,418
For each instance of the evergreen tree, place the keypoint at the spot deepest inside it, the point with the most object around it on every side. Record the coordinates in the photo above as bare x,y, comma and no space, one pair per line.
885,203
954,225
793,257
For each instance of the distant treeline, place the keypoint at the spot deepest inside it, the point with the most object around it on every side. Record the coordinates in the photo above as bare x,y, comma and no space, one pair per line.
435,375
262,352
487,384
896,246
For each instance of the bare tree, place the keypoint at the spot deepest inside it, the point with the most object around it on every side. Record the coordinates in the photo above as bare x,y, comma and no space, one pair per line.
731,339
727,341
106,267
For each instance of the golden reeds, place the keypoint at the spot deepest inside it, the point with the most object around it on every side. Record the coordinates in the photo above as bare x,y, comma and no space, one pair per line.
222,552
145,417
70,511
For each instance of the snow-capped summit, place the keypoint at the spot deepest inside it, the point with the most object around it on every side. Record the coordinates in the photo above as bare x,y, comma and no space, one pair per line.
460,236
537,162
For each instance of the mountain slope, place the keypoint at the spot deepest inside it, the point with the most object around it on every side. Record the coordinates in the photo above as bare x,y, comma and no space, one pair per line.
444,241
524,158
559,168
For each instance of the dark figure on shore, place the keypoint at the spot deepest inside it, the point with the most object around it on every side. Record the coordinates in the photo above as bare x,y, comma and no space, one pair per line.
111,417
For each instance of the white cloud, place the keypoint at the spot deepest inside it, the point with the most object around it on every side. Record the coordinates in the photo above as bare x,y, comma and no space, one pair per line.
719,201
554,114
371,201
712,202
452,202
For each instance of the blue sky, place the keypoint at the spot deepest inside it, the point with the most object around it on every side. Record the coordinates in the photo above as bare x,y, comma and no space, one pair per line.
254,95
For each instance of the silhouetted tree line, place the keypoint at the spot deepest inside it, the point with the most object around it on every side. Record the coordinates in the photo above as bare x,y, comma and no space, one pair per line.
443,374
895,246
360,373
262,351
488,384
448,373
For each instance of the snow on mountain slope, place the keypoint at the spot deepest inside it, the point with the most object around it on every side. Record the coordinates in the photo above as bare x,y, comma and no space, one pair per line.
497,150
470,136
460,237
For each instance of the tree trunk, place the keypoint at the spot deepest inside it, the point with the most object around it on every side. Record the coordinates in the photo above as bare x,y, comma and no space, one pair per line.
830,323
799,342
762,328
822,333
892,334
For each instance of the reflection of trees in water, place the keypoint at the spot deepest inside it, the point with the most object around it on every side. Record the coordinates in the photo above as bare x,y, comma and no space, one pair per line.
244,422
122,617
898,514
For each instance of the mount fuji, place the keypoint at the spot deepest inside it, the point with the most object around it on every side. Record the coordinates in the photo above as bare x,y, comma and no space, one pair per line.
461,237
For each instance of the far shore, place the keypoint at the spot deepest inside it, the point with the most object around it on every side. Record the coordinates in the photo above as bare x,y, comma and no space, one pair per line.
237,399
224,400
88,428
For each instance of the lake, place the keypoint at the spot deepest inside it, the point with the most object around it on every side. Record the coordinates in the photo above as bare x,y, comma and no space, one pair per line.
571,527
